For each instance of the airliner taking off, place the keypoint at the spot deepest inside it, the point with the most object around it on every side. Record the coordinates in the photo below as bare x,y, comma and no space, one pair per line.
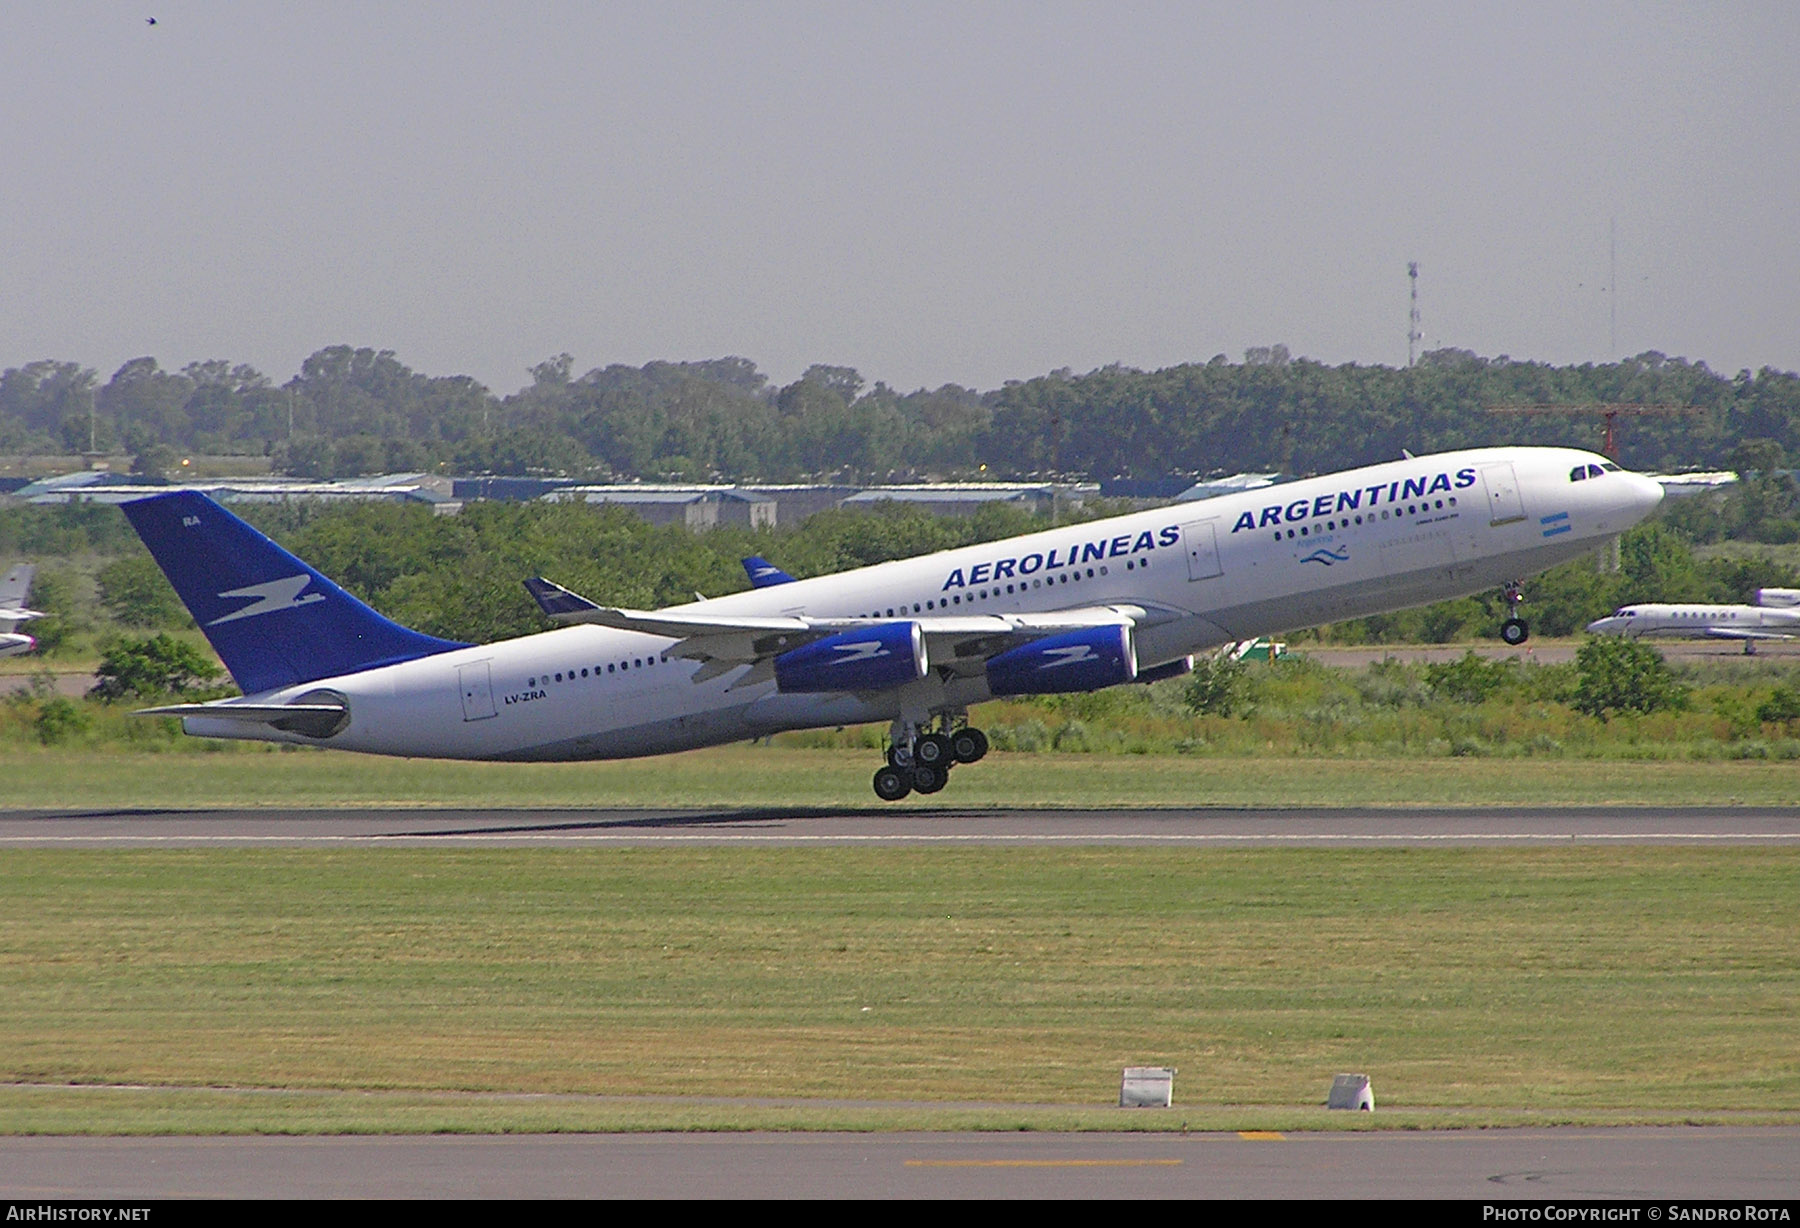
1773,617
914,642
13,590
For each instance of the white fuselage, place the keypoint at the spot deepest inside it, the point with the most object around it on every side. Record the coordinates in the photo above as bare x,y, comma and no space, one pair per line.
1193,576
1700,622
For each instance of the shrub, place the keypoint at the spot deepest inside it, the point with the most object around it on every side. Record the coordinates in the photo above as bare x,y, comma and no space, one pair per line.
1782,706
59,719
1470,679
148,668
1217,686
1616,674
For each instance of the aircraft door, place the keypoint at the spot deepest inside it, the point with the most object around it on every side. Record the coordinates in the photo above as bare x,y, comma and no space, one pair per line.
477,691
1202,541
1504,505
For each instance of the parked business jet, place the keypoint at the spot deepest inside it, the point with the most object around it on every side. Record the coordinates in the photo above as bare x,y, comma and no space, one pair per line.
13,591
913,642
1773,617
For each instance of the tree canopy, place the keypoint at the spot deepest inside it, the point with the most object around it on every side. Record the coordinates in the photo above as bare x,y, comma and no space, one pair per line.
354,410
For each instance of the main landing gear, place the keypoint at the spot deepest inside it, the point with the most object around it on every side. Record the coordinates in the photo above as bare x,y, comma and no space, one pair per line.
921,761
1515,630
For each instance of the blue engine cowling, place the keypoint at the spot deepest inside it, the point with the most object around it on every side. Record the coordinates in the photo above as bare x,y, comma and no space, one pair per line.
872,659
1084,660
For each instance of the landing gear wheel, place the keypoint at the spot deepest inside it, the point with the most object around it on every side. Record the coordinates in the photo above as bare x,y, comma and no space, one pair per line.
899,757
968,745
929,778
1515,631
932,750
892,784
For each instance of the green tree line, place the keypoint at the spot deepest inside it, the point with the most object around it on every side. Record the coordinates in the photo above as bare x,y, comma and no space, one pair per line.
355,410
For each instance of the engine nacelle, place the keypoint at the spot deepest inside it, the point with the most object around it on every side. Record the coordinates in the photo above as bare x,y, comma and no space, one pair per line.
1778,598
867,659
1084,660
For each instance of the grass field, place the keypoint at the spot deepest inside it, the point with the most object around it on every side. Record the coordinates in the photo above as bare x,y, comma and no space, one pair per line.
406,989
755,776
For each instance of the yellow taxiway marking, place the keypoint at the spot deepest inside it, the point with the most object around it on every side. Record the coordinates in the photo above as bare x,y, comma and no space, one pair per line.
1043,1163
1269,1135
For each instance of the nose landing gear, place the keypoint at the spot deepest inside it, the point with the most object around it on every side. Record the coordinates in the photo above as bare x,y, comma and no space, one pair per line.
920,761
1514,630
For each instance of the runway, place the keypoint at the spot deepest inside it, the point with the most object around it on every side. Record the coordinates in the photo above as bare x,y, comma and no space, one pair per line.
1568,1166
1220,826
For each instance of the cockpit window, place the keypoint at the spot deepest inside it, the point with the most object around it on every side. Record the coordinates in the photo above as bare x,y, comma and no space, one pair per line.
1578,473
1595,471
1609,467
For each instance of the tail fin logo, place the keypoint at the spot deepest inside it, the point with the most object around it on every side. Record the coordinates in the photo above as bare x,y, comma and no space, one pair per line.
270,595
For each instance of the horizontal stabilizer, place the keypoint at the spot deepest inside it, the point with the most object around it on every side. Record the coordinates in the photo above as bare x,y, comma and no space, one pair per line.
315,720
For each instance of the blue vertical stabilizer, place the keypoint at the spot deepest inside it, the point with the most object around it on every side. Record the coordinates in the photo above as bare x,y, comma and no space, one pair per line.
273,620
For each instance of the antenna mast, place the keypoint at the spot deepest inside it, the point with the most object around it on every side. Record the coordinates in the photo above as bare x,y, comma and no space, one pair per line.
1412,331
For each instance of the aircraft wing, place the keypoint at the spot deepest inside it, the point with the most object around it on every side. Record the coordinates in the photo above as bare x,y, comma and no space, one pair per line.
1744,633
10,619
722,642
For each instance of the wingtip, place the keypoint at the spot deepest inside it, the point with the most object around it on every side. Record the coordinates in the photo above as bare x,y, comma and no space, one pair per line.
555,600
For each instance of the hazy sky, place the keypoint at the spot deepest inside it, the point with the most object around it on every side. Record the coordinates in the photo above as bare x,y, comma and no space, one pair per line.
931,193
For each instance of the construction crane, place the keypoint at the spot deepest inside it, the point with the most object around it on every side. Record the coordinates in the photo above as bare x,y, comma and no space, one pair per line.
1611,411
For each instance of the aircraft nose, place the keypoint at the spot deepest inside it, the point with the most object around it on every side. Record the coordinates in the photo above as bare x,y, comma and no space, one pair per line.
1603,626
1646,493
